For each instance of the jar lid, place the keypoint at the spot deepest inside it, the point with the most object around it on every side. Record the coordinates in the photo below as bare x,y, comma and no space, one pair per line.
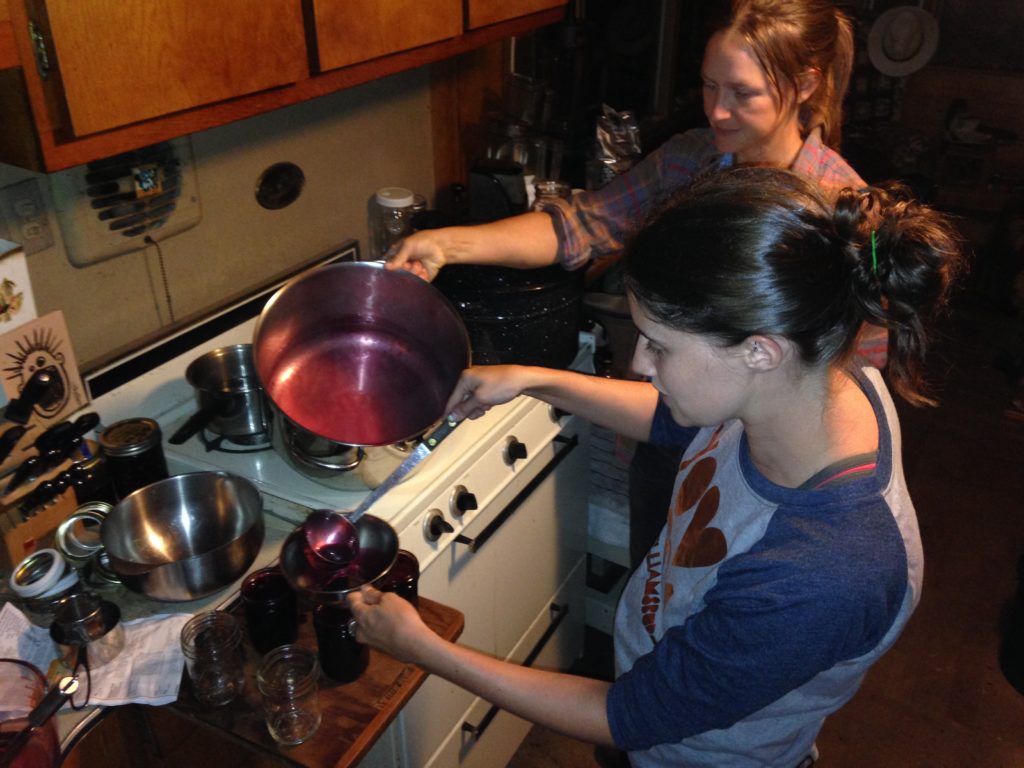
130,437
395,197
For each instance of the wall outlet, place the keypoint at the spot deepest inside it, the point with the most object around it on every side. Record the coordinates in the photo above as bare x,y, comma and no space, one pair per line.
25,211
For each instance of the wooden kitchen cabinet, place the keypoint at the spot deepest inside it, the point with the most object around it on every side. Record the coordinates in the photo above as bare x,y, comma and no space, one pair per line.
120,63
353,31
82,80
484,12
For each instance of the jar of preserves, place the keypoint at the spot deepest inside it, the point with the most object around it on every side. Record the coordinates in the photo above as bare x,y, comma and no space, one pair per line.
135,454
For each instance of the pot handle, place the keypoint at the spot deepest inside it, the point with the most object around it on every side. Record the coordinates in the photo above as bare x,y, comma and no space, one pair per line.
195,422
440,433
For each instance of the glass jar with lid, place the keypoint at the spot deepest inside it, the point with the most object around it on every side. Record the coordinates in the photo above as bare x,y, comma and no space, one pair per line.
135,455
392,218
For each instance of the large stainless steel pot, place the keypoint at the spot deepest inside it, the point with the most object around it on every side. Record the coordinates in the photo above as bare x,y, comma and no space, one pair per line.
185,537
360,355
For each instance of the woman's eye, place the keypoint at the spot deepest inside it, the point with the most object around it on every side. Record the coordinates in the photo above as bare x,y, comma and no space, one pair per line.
653,348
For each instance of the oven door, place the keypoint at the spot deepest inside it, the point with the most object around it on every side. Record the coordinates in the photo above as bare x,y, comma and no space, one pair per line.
517,573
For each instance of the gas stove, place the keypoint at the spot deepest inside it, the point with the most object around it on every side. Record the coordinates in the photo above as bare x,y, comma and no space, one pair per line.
501,501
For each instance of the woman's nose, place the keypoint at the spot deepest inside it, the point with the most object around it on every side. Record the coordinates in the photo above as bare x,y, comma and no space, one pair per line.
642,363
714,109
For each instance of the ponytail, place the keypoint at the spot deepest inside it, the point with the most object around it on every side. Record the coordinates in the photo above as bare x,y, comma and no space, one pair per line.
905,259
757,250
825,108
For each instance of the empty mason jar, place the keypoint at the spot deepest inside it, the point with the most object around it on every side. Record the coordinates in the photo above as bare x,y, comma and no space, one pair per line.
287,679
212,645
392,217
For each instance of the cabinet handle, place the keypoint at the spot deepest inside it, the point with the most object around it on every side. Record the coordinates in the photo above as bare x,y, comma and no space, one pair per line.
474,544
558,614
42,56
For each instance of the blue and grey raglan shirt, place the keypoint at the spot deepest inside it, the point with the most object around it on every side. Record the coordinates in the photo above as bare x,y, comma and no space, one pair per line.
760,608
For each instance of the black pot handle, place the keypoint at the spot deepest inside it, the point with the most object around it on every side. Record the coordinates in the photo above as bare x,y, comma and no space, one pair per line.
195,422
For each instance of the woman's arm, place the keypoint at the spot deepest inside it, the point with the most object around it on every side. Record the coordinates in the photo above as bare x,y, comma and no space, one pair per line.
625,407
524,241
569,704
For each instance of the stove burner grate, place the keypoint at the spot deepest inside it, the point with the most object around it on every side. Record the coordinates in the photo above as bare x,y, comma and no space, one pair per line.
219,443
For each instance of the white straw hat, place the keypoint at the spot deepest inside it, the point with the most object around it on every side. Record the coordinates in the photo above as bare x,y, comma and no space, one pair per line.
902,40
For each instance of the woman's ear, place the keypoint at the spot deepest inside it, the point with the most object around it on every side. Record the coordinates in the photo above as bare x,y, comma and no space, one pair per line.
764,353
807,83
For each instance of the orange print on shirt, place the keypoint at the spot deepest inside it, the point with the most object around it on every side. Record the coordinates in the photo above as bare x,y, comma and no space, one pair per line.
701,545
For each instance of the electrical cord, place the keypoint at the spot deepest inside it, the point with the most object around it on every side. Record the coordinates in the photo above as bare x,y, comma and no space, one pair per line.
163,274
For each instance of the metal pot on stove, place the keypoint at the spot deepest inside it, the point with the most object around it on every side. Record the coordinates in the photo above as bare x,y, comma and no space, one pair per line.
229,397
356,360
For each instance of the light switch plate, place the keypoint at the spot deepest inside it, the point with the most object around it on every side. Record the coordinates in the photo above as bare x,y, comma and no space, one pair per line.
25,212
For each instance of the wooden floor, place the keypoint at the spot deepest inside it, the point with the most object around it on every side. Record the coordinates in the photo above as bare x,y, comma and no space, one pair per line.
939,698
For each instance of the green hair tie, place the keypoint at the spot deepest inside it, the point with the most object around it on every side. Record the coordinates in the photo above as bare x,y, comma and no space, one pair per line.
874,254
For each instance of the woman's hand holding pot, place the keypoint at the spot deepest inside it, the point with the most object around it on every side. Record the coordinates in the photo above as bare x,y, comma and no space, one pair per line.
483,386
421,253
389,623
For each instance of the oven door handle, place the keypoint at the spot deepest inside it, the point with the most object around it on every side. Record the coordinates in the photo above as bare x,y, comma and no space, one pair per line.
558,614
474,544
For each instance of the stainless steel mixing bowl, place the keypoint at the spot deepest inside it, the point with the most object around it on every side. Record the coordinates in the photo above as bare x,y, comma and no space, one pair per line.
185,537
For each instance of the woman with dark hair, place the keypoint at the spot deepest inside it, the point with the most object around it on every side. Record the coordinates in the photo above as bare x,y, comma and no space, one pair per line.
790,559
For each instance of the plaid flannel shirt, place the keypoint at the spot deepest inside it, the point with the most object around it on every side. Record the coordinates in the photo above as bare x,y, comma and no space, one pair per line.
594,225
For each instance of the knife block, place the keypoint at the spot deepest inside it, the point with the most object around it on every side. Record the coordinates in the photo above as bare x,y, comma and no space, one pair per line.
22,538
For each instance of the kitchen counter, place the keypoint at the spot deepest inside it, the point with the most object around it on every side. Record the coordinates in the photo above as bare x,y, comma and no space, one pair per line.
354,714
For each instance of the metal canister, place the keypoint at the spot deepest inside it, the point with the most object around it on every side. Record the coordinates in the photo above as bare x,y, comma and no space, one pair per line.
135,454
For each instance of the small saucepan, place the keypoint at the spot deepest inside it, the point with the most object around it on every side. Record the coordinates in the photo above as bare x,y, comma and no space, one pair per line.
229,395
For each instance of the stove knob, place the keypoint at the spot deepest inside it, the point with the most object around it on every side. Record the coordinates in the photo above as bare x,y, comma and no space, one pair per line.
557,414
434,525
514,451
463,500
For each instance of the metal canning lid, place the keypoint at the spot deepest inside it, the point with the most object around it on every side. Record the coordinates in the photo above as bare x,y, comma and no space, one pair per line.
395,197
130,437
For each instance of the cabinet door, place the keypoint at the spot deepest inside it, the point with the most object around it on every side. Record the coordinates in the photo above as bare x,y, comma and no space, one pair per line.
122,62
351,31
484,12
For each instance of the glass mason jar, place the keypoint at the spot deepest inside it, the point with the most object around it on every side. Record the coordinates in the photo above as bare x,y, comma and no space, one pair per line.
403,577
392,217
287,679
135,455
342,657
212,645
271,609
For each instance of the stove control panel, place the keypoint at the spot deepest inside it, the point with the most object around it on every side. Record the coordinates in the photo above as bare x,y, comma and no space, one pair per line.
473,498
